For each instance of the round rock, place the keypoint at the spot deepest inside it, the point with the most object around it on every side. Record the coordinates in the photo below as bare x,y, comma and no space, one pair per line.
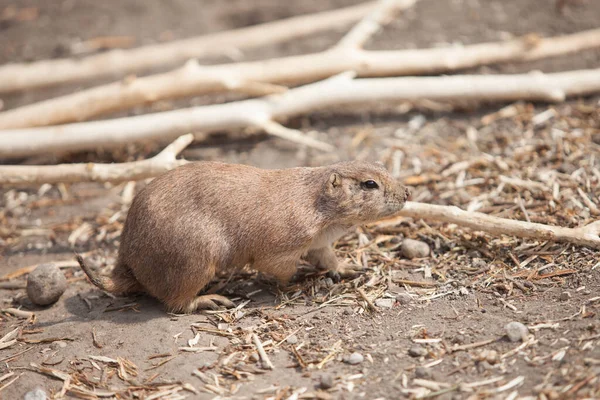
46,284
417,351
36,394
292,339
326,381
423,373
516,331
414,249
354,358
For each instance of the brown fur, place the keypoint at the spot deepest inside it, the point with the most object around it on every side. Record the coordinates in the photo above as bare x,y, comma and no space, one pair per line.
206,217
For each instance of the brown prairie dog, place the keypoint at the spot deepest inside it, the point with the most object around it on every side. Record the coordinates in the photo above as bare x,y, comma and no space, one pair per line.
205,217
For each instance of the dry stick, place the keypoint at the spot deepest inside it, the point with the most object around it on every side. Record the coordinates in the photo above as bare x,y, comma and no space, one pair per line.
193,79
15,77
258,113
261,352
136,170
588,235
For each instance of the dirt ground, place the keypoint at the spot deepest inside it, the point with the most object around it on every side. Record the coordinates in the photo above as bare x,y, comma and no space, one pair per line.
438,327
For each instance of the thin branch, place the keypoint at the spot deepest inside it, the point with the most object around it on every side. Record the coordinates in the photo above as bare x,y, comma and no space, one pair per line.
338,90
190,80
137,170
372,23
290,70
588,235
15,77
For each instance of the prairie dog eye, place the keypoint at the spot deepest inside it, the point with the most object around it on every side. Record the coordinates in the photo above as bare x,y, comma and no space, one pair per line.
370,184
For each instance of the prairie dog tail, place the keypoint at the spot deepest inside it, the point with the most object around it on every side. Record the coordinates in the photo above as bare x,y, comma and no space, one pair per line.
120,282
101,282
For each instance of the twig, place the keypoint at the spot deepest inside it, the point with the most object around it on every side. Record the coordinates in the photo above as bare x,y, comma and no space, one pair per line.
472,345
18,313
28,269
338,90
261,352
366,298
135,170
16,77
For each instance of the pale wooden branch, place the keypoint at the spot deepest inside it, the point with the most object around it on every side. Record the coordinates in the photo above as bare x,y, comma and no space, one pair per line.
296,69
190,80
92,172
588,235
372,23
23,76
338,90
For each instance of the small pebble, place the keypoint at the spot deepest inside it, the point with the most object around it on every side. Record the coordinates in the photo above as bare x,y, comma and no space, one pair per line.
254,357
417,351
292,339
354,358
404,298
414,249
458,339
385,303
484,366
46,284
516,331
326,381
565,296
36,394
423,373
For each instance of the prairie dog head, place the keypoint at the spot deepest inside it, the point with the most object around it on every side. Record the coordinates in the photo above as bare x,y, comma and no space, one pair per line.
361,192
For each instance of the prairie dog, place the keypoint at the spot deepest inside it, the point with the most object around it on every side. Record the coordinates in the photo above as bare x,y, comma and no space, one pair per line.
205,217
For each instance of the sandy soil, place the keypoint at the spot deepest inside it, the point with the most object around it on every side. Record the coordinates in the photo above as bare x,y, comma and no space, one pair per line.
439,323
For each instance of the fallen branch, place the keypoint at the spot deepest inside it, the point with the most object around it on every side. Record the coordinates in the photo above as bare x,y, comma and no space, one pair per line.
266,362
136,170
191,80
194,79
588,235
257,113
14,77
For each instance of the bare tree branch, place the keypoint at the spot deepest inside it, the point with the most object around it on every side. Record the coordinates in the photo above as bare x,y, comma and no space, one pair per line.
588,235
92,172
191,79
340,89
195,80
14,77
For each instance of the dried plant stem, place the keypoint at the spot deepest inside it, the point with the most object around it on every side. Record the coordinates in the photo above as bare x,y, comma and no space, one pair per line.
194,79
191,79
588,235
136,170
337,90
262,353
15,77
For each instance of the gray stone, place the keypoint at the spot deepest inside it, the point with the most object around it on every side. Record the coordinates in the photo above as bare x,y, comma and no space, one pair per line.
414,249
292,339
385,303
404,298
417,351
565,296
36,394
326,381
423,373
516,331
354,358
46,284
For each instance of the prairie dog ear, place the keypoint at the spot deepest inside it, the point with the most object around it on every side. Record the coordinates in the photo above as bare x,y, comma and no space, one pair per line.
335,180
